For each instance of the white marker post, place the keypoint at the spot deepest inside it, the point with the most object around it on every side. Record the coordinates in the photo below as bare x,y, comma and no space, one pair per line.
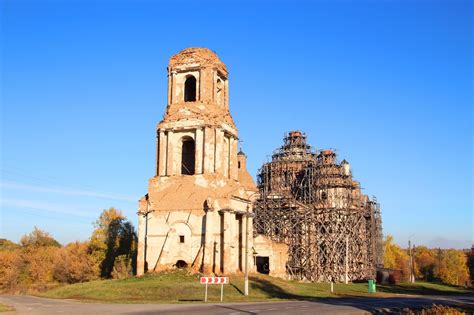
214,280
222,292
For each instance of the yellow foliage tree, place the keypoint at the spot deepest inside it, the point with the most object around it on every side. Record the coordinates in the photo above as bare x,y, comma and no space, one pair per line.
425,261
11,266
39,251
74,264
395,257
453,268
40,264
113,236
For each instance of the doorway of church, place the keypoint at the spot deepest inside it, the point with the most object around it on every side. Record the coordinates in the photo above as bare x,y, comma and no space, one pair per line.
263,264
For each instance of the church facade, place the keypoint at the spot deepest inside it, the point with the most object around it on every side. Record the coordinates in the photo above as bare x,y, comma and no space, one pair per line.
198,209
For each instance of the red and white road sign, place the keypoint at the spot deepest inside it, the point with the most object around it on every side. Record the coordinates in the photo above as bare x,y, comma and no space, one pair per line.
214,280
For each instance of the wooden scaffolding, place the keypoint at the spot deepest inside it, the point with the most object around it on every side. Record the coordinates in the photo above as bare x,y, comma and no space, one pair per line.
309,201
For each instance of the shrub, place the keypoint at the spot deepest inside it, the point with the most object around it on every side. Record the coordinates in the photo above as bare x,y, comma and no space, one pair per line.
74,264
11,265
40,264
122,267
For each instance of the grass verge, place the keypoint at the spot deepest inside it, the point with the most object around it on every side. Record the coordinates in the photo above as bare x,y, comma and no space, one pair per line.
6,308
181,286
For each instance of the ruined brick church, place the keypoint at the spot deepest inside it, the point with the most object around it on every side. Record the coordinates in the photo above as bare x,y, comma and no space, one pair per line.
306,220
198,209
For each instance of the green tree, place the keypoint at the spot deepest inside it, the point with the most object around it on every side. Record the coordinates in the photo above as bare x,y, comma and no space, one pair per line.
112,236
470,263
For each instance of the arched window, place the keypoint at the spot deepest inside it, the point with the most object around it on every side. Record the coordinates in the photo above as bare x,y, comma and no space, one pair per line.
181,264
188,157
190,89
220,93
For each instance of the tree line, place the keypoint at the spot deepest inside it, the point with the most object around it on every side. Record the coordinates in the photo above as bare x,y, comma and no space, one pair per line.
39,262
450,266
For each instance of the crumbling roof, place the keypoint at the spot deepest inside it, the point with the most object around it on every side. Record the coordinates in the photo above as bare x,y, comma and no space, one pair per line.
203,57
177,193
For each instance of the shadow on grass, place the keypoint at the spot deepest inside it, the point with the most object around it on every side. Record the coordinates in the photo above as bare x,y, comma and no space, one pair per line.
421,289
274,291
374,304
236,288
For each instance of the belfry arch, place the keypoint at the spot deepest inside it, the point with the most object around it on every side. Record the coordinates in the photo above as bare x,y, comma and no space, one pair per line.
190,89
188,156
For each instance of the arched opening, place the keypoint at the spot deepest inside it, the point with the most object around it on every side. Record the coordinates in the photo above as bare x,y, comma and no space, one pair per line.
188,157
190,89
181,264
220,92
324,195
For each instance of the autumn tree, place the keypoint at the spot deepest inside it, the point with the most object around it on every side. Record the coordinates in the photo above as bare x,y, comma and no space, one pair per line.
453,268
113,236
7,245
425,262
11,265
38,252
74,264
395,257
38,238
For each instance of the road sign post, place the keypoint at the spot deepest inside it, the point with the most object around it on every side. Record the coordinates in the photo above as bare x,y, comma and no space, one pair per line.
222,292
214,280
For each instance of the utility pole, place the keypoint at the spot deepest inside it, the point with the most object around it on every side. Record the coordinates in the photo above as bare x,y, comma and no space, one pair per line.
246,271
412,275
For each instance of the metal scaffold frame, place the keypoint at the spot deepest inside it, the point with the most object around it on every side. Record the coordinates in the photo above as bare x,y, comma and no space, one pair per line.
310,202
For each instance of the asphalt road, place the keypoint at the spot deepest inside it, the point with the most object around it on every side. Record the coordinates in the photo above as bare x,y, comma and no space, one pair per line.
33,305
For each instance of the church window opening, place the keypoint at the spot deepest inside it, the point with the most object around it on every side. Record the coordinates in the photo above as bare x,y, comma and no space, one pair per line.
181,264
181,238
188,157
220,93
190,89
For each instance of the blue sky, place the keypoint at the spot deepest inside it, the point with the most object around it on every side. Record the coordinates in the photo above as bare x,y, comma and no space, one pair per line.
388,84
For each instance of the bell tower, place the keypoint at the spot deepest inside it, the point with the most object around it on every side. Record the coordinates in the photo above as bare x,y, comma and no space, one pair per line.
199,201
197,134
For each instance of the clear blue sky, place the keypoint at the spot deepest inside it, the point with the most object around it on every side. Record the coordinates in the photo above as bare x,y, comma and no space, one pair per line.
386,83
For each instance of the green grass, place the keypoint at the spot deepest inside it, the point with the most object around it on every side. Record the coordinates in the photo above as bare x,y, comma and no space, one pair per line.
181,286
5,308
424,288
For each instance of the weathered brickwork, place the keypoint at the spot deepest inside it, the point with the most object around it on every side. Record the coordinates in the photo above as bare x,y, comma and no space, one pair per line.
199,203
